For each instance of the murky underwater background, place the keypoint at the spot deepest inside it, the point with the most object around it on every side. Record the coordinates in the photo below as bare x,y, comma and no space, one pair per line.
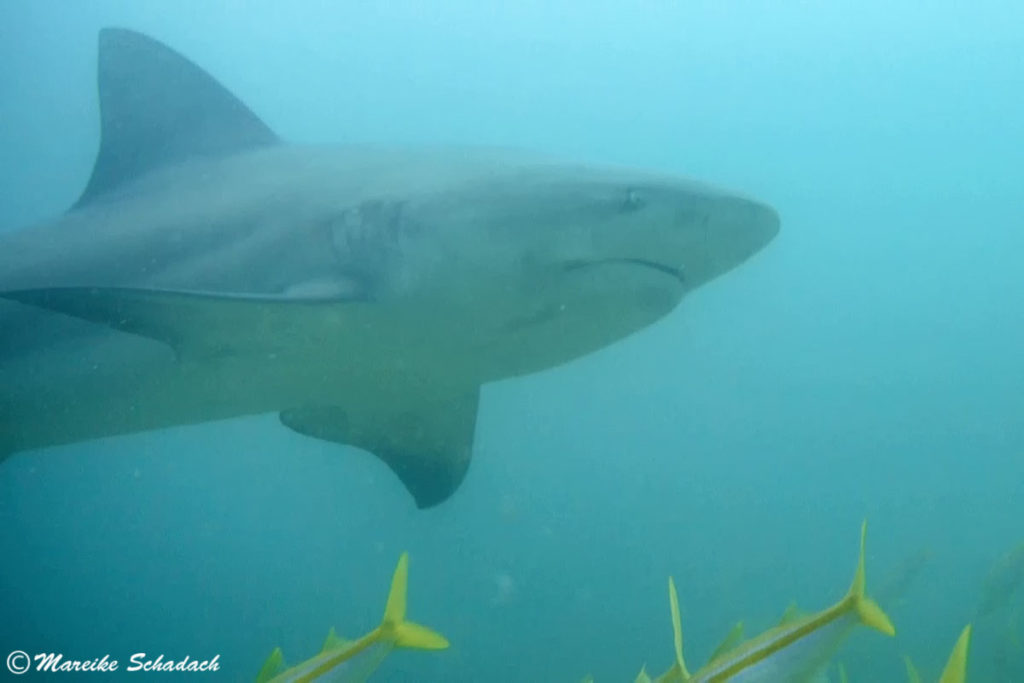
867,364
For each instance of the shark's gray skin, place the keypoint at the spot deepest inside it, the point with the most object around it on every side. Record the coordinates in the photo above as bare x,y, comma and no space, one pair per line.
211,271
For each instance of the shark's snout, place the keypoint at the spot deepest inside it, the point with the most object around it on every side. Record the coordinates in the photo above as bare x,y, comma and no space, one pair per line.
766,222
758,223
689,232
736,229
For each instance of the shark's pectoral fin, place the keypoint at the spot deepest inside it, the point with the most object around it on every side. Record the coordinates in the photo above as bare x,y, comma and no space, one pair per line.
197,325
429,447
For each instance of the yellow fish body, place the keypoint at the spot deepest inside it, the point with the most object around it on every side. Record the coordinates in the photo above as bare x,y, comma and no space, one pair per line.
354,661
796,650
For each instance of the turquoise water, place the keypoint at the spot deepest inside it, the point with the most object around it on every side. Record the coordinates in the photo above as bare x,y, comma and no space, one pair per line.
866,364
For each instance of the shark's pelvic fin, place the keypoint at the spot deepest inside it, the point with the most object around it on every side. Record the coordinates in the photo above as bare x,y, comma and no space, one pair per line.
428,448
156,108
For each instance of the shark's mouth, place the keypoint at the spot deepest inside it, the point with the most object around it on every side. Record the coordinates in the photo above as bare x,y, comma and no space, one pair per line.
674,272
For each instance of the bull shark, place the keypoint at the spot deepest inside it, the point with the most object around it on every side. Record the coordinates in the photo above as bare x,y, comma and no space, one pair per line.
210,270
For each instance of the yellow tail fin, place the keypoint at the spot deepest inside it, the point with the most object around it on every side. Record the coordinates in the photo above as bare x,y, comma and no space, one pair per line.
394,627
867,609
956,667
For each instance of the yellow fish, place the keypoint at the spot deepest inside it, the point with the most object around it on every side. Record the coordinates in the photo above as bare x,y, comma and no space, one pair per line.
796,650
356,660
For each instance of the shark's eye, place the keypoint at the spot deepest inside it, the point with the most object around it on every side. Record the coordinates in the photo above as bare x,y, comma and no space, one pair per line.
634,200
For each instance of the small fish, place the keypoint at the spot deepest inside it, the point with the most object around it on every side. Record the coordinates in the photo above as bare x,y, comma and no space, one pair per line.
796,650
892,590
1002,581
355,660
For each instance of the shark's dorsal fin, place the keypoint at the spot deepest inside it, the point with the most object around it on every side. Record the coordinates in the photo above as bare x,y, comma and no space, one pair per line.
157,108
